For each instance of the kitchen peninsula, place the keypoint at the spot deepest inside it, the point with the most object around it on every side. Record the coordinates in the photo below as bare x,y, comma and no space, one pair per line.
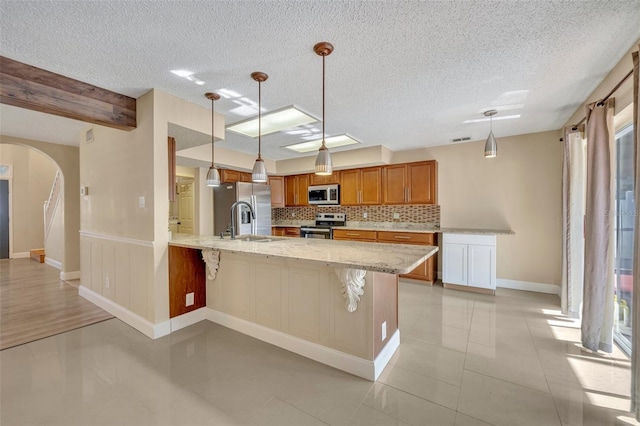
332,301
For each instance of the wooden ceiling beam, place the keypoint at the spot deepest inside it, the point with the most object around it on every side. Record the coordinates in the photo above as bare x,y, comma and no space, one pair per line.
36,89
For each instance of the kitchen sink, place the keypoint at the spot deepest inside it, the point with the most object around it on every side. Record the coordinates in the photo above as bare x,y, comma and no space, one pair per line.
258,238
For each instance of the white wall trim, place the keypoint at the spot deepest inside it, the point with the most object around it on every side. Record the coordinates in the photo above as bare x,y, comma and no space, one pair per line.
352,364
116,238
20,255
190,318
528,286
72,275
51,262
386,354
134,320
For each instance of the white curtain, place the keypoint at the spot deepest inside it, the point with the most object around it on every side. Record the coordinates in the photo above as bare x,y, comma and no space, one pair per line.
635,314
573,211
597,307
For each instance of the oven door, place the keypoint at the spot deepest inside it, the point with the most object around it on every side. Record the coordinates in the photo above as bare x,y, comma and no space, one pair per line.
323,233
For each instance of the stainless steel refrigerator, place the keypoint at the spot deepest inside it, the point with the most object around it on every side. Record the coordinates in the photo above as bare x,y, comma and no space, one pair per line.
256,194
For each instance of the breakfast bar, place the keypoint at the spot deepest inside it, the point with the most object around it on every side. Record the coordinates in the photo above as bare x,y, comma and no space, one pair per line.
332,301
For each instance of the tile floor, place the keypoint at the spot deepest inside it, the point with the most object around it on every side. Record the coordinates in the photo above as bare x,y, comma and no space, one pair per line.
464,360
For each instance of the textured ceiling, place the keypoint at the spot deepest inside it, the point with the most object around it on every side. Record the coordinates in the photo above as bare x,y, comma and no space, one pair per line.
403,74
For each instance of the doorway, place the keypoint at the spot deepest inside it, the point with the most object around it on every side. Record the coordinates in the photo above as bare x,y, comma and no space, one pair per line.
181,211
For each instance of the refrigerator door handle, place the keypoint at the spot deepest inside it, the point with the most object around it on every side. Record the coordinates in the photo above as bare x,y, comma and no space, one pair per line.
254,222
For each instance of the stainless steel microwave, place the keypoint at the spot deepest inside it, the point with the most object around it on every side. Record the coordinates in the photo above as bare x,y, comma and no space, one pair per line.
324,194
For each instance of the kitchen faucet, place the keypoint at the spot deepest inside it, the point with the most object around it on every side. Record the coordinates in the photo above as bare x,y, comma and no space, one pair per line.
233,217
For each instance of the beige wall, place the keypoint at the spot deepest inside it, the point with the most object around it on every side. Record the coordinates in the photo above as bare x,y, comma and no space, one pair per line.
124,246
68,160
33,175
54,246
519,190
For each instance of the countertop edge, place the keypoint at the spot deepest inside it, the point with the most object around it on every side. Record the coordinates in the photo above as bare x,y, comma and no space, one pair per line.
251,249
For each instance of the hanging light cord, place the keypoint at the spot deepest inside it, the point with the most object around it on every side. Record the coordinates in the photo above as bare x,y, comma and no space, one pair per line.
323,134
259,119
212,129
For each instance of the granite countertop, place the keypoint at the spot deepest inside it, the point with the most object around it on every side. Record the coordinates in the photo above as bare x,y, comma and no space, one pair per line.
477,231
350,254
292,223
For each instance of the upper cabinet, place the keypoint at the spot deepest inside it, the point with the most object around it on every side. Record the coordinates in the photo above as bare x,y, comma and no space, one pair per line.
361,186
296,190
277,191
228,175
331,179
410,183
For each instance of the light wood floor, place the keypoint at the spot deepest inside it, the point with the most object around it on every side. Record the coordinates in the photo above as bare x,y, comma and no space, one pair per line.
34,303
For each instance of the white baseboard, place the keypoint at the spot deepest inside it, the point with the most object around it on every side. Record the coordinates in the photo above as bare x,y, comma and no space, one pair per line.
528,286
134,320
385,354
52,262
342,361
72,275
190,318
20,255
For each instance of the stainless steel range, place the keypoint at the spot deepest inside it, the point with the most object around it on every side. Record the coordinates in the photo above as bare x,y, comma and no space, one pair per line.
325,222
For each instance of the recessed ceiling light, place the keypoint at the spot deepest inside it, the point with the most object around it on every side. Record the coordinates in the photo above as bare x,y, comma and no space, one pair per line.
332,142
182,73
274,121
187,75
504,117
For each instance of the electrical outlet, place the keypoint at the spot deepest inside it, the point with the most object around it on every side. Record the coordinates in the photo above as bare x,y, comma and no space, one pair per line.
293,214
364,215
141,202
396,215
189,300
384,330
106,282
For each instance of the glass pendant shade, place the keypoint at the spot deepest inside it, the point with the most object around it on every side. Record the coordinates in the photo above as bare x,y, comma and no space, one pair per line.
259,174
324,166
491,147
213,177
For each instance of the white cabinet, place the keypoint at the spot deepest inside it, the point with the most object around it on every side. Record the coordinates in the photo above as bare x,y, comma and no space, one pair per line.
469,260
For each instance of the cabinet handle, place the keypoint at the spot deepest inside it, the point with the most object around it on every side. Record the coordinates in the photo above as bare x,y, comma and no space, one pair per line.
408,194
402,237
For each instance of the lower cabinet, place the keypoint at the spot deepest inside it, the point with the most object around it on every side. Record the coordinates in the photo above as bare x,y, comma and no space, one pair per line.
353,235
469,260
288,231
426,271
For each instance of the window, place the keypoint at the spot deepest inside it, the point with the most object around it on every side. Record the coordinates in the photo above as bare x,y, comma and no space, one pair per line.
625,206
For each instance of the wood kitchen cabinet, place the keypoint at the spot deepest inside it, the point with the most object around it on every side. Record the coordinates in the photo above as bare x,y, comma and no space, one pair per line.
331,179
296,190
229,175
361,186
426,271
354,235
277,191
288,231
410,183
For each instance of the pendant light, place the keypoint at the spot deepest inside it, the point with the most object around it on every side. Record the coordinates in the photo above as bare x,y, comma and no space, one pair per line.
259,174
490,147
324,166
213,176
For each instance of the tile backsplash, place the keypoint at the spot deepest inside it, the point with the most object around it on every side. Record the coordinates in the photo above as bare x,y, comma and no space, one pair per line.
415,213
